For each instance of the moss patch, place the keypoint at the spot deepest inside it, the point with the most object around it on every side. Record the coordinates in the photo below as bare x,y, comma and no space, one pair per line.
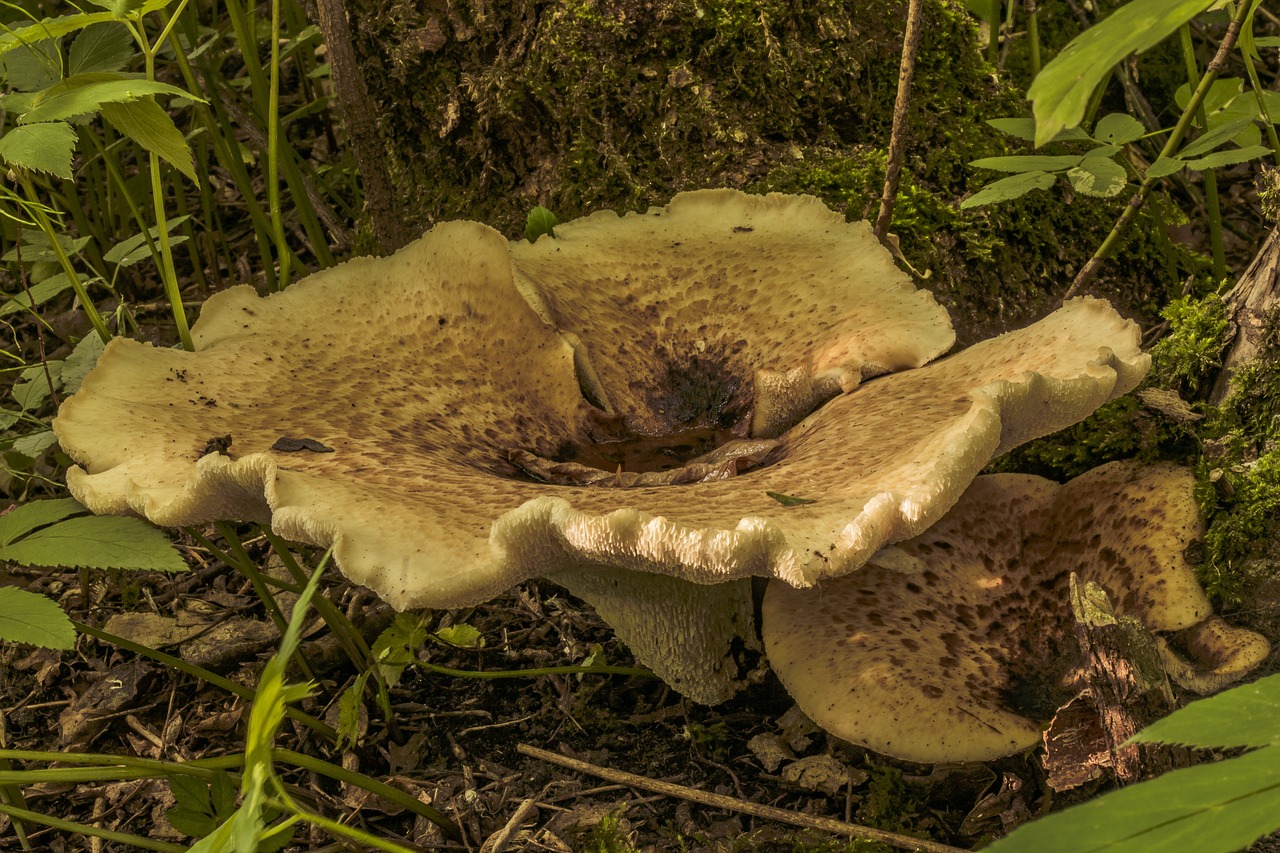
585,105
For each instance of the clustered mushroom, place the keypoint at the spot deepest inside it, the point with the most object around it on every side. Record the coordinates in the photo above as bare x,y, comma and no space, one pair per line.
950,645
648,409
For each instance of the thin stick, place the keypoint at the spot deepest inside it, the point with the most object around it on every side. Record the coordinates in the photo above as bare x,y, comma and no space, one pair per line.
898,135
720,801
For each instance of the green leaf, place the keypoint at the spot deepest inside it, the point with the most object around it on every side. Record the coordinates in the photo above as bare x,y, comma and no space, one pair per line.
1022,128
396,647
1118,128
1221,92
24,518
789,500
87,93
33,389
1267,41
80,362
541,221
40,294
49,28
26,617
461,635
200,807
97,542
1230,157
1164,166
1009,188
350,704
128,252
1061,91
1212,808
41,148
1027,163
34,444
147,124
1098,177
1248,715
36,247
32,67
101,47
1219,135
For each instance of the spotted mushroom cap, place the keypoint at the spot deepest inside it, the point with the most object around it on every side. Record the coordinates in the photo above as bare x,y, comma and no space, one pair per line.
934,650
439,416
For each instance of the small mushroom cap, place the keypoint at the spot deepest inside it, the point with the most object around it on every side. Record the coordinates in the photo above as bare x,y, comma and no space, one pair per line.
416,380
921,654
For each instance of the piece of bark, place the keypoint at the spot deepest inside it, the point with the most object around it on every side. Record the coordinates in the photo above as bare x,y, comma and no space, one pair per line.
1248,303
1126,685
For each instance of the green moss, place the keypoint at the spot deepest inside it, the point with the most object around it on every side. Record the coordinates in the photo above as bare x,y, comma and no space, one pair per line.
623,103
1190,355
890,803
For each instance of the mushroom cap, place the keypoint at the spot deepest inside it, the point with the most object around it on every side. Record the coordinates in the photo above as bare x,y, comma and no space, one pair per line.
427,373
921,654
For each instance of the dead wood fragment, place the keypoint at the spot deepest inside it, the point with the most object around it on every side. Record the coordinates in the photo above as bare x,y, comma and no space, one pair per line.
1255,295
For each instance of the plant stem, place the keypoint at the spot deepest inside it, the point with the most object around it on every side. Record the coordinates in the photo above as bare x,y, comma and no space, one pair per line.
1090,270
593,669
1213,206
92,831
898,135
273,150
36,209
1256,84
213,678
1033,36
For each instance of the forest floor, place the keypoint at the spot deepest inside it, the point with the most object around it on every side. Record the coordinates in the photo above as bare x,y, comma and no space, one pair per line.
456,742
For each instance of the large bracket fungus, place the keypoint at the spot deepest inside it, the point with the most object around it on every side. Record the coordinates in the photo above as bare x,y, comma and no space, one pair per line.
946,647
484,402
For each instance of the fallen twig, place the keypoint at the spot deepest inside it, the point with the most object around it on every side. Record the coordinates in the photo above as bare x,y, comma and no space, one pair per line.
720,801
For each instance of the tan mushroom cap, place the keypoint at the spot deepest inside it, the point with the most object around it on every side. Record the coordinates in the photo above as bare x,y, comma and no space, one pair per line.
425,373
767,305
920,654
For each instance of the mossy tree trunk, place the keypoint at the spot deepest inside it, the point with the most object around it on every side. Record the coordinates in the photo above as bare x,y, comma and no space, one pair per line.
483,110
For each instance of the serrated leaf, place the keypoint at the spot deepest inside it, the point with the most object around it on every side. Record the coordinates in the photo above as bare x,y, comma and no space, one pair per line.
190,821
151,127
1211,808
1118,128
1248,715
1164,166
1219,135
44,147
101,47
1061,91
1098,177
129,252
82,359
49,28
32,67
27,617
350,708
32,389
41,293
87,93
97,542
1027,163
1230,157
33,445
541,221
36,247
396,647
1009,188
24,518
461,635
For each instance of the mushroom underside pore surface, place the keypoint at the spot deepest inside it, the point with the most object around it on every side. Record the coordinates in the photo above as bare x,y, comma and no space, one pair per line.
448,404
950,645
